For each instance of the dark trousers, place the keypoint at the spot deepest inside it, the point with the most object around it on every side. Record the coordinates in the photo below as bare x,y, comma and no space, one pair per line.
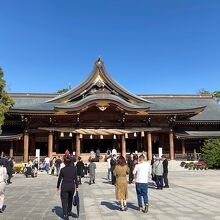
165,179
67,201
131,176
113,178
9,177
159,182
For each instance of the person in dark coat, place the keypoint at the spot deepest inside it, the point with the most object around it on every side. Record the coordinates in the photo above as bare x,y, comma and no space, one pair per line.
130,162
80,169
68,176
98,155
165,171
113,164
9,168
57,165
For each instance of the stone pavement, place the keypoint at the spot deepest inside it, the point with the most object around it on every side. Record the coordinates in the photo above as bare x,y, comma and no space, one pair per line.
192,195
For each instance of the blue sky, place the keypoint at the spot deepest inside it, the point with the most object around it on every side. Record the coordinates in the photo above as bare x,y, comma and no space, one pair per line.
150,47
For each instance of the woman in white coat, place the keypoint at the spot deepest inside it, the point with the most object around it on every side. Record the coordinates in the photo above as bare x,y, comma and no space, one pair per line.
3,180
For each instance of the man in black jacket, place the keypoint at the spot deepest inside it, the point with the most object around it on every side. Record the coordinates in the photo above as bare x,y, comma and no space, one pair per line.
9,167
165,171
68,176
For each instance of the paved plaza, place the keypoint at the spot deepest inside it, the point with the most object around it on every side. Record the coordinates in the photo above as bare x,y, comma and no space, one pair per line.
192,195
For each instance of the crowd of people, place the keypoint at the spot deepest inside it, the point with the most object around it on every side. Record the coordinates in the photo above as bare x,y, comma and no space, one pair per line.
135,169
138,170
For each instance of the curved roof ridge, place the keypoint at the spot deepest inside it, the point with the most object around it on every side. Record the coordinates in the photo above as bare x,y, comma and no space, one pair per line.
98,73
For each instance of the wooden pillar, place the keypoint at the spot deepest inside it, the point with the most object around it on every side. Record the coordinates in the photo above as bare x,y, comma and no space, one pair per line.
50,144
149,144
11,152
123,146
77,145
183,147
26,145
171,145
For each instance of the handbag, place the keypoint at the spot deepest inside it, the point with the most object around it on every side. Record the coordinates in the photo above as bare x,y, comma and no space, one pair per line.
76,198
76,202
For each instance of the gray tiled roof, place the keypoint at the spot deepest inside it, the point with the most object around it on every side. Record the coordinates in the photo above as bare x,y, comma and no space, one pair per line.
27,101
203,134
211,112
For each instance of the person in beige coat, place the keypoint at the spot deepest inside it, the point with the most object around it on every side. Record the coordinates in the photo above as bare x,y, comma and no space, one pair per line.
121,188
3,180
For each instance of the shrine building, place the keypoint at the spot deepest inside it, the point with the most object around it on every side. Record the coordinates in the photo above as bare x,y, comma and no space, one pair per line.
99,113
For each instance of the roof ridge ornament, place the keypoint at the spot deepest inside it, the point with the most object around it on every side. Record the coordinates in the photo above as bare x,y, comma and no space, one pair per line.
99,61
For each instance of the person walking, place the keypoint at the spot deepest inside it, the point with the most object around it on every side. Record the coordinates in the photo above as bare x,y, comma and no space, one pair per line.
47,164
68,176
113,164
165,171
121,187
3,180
97,155
80,169
109,168
92,168
130,163
57,165
158,172
9,168
141,172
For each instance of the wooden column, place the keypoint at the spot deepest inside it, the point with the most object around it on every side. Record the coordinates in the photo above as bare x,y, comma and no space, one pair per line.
171,145
50,144
26,145
123,146
149,144
77,145
11,152
183,147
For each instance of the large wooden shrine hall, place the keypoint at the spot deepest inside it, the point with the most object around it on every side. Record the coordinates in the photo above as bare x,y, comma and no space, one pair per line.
99,113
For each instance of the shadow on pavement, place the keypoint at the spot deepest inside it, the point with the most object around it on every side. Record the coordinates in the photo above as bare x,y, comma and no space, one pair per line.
107,182
58,211
110,205
115,205
132,206
151,185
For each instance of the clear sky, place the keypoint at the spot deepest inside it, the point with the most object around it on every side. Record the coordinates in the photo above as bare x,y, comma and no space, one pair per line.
148,46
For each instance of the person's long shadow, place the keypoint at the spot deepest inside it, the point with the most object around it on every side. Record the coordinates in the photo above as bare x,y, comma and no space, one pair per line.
110,205
131,205
115,205
59,212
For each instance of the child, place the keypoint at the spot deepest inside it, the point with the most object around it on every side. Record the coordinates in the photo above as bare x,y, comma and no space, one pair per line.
92,167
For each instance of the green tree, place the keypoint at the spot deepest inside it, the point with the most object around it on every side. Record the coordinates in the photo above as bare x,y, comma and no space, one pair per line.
217,94
61,91
211,153
5,100
204,92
